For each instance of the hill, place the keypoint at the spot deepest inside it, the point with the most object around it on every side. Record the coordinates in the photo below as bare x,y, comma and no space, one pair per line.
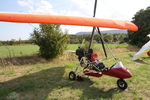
107,31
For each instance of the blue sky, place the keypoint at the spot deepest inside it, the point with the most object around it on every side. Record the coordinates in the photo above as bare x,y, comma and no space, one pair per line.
110,9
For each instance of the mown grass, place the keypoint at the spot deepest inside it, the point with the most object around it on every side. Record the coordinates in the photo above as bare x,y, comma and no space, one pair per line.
49,81
25,50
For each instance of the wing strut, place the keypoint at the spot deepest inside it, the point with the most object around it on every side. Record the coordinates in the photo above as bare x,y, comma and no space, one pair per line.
91,40
102,41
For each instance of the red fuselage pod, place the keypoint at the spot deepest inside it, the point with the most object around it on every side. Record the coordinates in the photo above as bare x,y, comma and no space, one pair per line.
148,53
92,73
119,71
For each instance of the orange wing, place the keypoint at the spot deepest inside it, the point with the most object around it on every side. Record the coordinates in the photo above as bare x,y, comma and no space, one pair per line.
67,20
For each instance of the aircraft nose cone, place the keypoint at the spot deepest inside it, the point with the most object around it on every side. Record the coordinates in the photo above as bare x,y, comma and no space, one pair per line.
124,73
128,74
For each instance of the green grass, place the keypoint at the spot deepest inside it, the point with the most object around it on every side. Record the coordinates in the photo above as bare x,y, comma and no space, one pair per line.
49,81
73,46
98,46
25,50
9,72
18,50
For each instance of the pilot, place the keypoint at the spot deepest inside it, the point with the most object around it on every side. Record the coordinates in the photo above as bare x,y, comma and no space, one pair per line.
93,57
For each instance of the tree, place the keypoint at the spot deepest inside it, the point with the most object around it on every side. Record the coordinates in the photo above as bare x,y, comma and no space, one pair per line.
108,37
142,20
12,42
50,39
1,43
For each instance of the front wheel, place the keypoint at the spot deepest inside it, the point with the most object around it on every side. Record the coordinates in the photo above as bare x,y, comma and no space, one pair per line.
72,75
122,84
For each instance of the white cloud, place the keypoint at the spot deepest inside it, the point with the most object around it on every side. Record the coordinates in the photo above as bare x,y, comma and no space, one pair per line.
43,7
26,3
34,6
22,3
85,6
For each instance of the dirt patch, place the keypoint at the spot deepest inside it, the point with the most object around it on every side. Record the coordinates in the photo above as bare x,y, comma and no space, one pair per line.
133,48
25,60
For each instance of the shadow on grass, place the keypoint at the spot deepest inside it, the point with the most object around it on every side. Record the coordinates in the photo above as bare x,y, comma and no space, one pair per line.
90,92
130,55
37,86
147,58
141,62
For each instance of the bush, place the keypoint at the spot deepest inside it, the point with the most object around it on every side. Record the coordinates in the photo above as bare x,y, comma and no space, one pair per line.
50,39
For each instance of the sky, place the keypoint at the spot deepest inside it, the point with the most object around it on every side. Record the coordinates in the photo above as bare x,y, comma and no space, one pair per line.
108,9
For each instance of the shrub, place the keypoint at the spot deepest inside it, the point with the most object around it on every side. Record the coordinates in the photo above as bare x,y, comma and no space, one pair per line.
50,39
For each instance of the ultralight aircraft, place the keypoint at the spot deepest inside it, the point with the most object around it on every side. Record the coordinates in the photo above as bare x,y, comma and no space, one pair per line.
88,60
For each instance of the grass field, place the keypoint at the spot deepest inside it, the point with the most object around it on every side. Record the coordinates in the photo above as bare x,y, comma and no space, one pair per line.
18,50
25,50
49,81
98,46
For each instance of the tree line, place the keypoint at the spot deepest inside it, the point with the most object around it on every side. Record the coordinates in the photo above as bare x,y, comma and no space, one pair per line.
77,39
15,42
107,37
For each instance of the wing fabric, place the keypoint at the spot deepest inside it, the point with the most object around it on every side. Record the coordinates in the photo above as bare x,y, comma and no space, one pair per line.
142,50
66,20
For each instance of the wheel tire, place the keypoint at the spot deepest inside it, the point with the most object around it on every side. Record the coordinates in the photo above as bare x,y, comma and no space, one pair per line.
122,84
72,76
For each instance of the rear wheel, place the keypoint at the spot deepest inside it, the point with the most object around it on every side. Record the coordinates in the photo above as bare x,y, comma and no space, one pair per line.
72,75
122,84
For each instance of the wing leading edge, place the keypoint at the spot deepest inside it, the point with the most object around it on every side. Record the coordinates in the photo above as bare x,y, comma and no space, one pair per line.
67,20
